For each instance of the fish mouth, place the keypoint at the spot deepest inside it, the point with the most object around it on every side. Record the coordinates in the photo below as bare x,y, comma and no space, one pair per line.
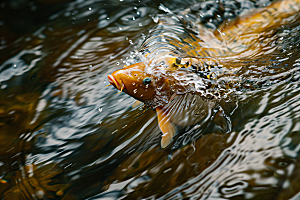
114,82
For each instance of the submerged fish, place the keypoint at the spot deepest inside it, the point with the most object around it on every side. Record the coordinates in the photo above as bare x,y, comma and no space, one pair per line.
181,97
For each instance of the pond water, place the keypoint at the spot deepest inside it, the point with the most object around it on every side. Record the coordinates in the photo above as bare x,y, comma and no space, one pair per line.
64,135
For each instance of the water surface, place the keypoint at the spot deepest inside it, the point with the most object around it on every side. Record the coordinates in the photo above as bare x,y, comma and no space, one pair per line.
64,135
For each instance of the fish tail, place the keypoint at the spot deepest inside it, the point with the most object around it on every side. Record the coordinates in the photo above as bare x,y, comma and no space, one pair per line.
277,14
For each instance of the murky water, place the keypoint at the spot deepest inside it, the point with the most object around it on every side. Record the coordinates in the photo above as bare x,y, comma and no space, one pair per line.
64,135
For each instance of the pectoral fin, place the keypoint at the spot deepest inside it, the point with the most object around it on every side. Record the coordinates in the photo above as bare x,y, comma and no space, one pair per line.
166,126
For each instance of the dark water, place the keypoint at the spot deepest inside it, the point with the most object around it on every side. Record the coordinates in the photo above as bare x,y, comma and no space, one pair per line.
64,135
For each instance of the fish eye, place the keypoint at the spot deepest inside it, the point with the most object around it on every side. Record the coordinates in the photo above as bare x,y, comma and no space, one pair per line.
147,81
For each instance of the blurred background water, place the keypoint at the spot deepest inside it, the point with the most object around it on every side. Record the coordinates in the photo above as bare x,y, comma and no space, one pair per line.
64,135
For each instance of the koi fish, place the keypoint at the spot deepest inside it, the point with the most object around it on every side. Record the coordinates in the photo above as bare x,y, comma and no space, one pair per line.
177,100
181,97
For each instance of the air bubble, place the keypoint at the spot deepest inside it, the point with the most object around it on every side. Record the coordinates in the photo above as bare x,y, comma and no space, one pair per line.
40,194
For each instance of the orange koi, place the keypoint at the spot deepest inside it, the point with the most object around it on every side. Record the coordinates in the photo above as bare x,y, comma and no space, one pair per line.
159,88
162,82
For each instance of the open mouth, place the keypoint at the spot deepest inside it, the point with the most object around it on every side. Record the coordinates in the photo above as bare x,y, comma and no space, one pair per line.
115,83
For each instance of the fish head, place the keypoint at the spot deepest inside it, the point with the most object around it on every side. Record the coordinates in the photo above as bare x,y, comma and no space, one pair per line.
156,81
137,82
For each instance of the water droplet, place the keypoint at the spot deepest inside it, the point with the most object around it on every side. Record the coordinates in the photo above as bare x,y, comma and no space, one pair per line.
140,24
130,41
121,0
138,12
90,65
135,7
90,8
120,28
107,18
118,63
3,86
100,109
135,91
133,83
15,65
133,18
